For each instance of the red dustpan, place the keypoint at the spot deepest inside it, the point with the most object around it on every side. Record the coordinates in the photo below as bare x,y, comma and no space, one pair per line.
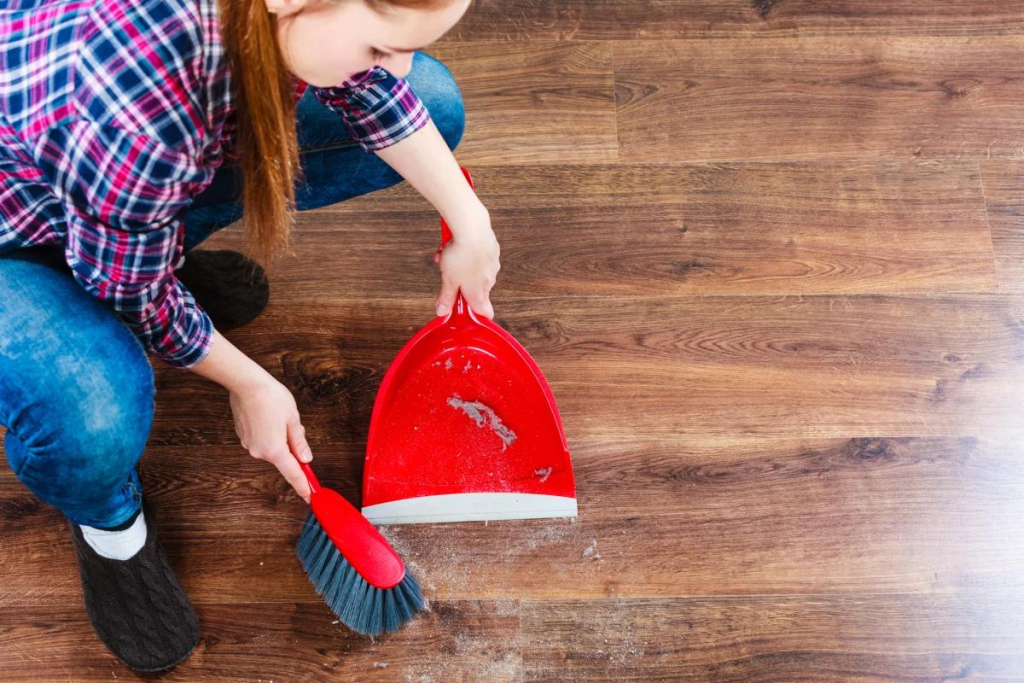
465,428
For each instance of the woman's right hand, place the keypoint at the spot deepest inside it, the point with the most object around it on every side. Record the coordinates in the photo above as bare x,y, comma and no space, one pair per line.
267,422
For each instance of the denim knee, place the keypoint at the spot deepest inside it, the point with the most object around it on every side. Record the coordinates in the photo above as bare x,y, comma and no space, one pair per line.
78,450
435,86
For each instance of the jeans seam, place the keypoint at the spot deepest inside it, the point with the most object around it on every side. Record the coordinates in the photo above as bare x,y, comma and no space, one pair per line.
130,487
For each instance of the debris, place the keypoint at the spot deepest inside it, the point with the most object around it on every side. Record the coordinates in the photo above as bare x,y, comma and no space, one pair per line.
544,473
448,363
380,665
591,551
468,367
477,411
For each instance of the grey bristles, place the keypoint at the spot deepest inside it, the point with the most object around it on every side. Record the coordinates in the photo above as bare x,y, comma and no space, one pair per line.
362,607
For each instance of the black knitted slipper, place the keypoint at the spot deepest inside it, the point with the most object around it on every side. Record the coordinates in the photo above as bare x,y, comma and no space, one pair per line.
137,606
231,288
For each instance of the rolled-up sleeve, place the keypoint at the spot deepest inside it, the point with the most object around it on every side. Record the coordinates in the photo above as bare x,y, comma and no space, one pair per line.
378,108
123,194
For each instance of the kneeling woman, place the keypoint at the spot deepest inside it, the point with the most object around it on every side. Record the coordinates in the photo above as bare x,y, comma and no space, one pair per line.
131,130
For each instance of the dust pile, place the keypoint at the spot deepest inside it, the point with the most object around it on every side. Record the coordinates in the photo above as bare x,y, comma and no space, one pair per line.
481,413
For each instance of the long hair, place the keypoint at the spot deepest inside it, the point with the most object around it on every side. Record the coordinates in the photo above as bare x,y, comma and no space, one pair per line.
267,144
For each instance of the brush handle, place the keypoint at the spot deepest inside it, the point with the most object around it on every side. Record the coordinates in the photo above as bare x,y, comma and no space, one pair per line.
354,536
314,483
461,308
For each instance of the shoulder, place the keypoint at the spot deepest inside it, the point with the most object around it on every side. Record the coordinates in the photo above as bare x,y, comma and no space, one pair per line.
140,68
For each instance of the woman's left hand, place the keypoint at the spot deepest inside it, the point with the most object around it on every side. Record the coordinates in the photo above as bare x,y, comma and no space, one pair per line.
469,262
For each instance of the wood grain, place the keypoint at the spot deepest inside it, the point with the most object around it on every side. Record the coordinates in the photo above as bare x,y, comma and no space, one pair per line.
832,366
788,638
517,21
469,642
664,230
731,639
1004,195
662,518
532,103
819,98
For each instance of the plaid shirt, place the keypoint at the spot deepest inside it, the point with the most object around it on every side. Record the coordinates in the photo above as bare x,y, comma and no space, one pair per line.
114,114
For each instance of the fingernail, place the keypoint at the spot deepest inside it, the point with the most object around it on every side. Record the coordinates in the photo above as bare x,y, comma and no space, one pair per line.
307,455
442,309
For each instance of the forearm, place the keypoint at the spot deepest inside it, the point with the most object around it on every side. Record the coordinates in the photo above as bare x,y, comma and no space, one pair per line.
226,365
425,161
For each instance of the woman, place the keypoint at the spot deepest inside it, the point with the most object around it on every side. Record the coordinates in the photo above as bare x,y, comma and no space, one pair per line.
130,130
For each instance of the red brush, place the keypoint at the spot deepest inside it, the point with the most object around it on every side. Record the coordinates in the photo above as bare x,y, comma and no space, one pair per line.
352,566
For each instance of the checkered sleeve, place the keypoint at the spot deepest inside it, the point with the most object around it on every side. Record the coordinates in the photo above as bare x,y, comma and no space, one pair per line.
123,193
378,108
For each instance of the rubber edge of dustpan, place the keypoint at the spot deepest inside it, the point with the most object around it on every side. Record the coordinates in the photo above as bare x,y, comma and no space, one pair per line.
467,507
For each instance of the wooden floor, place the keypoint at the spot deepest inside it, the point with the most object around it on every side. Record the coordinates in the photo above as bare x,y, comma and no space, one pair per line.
770,256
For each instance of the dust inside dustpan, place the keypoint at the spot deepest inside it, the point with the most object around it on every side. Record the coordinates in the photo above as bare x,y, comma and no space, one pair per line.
465,428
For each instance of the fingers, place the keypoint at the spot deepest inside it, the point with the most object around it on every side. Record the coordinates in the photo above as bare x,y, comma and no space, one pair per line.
297,442
481,304
299,449
479,301
293,474
446,299
287,461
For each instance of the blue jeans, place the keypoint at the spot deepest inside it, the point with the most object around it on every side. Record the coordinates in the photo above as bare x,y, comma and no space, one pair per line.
76,386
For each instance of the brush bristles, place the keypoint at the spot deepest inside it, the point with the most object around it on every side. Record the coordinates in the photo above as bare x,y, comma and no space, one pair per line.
362,607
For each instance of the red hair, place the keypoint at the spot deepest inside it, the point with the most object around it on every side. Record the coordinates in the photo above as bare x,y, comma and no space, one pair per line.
267,144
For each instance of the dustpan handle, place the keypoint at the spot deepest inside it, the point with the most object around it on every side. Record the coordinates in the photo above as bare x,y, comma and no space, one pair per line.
446,233
461,305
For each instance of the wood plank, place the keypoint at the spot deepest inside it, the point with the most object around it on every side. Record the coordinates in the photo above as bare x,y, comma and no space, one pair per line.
527,20
842,184
819,98
791,638
626,368
658,518
457,641
1004,195
534,103
664,230
863,638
